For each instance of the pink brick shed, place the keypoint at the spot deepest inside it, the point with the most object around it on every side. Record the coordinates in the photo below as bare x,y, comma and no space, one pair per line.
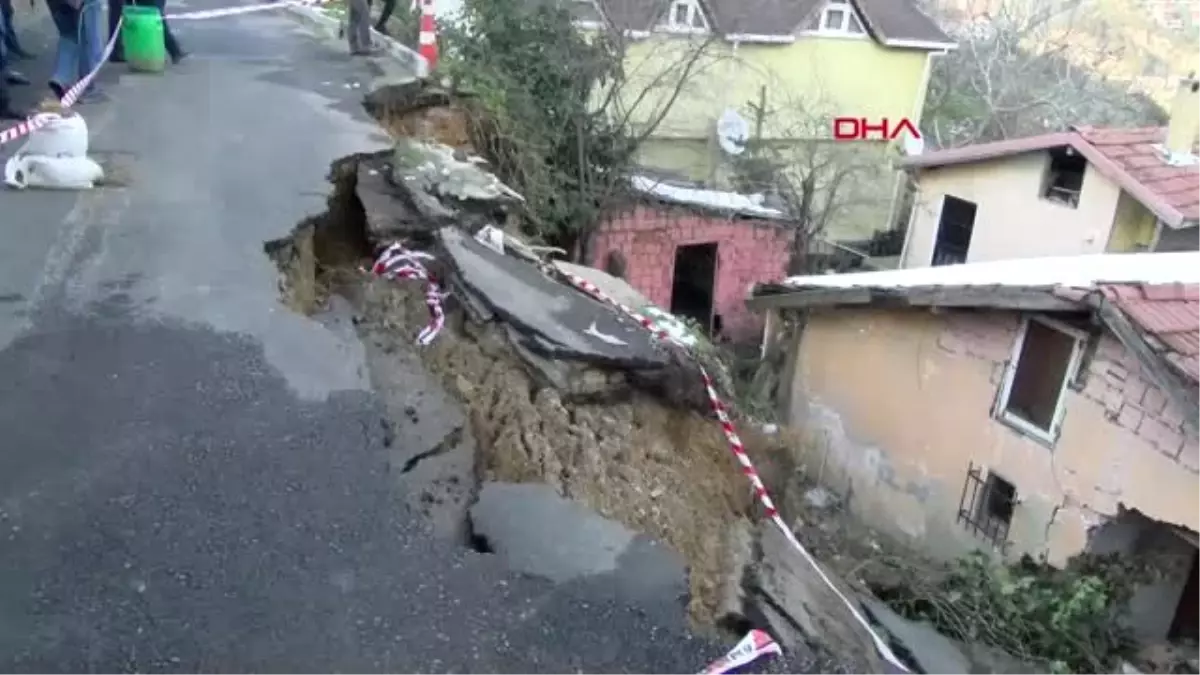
647,232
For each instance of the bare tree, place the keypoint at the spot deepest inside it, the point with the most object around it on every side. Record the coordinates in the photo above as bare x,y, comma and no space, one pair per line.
1027,68
830,190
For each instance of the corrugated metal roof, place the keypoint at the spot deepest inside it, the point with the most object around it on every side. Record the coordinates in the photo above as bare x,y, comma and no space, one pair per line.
1080,272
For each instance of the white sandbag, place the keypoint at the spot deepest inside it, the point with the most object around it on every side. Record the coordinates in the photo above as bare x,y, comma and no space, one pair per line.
62,136
54,173
14,172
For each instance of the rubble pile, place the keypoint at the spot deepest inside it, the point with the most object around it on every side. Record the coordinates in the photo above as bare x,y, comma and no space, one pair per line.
555,388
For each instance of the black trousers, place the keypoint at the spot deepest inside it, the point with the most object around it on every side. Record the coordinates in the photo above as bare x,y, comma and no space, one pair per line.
385,13
114,13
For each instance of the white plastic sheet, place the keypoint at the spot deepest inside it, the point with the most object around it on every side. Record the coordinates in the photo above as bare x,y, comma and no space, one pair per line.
55,173
62,136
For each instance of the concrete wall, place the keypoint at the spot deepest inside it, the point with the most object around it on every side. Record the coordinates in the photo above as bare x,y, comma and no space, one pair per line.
905,402
1152,607
1133,227
1012,220
748,252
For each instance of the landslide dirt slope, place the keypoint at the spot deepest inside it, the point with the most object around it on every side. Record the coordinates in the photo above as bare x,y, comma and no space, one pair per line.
657,468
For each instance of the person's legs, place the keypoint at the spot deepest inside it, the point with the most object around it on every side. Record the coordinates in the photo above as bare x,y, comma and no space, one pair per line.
115,7
170,42
8,39
9,26
66,59
7,111
385,13
359,29
91,41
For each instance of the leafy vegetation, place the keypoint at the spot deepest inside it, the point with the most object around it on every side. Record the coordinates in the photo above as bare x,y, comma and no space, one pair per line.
549,109
1068,619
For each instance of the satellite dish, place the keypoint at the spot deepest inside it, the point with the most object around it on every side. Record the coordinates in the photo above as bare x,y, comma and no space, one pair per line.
913,145
733,131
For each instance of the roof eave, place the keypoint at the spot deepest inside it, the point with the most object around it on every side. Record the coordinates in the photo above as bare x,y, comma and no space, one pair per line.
1180,388
1146,197
1026,298
928,45
1136,189
757,38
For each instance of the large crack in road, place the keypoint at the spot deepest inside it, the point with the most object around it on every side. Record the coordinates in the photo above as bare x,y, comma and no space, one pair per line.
514,401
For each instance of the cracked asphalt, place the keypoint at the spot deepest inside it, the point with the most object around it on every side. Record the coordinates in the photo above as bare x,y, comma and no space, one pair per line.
191,477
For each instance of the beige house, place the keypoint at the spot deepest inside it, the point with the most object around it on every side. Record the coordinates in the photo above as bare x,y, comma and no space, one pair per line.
1044,406
1079,192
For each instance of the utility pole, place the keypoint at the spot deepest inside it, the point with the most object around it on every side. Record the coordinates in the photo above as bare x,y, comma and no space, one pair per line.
760,112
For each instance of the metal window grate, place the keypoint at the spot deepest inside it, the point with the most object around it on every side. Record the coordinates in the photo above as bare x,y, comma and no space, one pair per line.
986,506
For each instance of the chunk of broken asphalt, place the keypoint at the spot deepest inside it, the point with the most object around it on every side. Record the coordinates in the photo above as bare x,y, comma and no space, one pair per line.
788,593
555,320
539,533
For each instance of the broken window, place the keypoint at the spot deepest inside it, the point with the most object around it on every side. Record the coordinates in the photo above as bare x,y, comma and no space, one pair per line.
686,16
1064,177
838,17
1044,362
986,507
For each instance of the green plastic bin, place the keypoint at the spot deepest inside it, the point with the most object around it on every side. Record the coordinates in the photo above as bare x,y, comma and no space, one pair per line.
142,36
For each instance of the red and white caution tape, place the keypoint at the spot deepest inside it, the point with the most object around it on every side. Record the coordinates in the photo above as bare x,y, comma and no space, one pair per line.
37,121
397,262
754,646
739,451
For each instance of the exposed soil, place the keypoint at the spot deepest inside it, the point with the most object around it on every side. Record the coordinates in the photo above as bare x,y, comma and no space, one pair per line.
657,468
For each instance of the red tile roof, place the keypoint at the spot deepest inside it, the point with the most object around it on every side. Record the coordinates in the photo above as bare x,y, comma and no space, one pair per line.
1139,153
1168,314
1132,158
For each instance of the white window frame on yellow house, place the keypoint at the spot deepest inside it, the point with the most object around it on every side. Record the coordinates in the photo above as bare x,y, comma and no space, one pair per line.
1046,436
694,13
850,26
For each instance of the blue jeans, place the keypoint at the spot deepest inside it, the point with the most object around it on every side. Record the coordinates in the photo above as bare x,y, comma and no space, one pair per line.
80,40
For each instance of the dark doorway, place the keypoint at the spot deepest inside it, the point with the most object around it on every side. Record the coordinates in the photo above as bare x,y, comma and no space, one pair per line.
955,227
1187,613
693,284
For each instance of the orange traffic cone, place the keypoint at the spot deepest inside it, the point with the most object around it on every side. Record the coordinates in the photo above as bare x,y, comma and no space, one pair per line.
427,40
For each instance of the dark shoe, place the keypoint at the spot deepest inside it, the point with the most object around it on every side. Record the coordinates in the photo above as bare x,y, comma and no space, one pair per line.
59,90
13,77
382,29
178,57
10,113
370,51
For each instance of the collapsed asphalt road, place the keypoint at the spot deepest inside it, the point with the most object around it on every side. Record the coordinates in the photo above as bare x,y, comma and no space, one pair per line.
192,478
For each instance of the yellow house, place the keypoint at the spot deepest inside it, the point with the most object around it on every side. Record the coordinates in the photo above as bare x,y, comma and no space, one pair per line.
1043,406
1083,191
786,67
